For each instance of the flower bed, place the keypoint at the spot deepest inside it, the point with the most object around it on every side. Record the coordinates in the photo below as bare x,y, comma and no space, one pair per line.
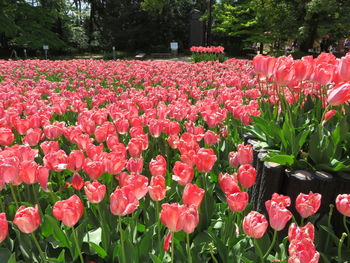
136,161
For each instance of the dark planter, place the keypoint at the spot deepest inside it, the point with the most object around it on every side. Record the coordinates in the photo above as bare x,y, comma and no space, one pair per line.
271,181
255,189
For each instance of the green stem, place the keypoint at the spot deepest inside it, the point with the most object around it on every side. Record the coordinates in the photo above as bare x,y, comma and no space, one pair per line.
158,227
14,196
331,207
341,241
213,257
42,255
302,221
189,257
272,244
77,244
121,238
104,233
346,228
258,250
172,248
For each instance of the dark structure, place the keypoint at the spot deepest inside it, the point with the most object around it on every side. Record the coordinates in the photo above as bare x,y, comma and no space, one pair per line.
197,29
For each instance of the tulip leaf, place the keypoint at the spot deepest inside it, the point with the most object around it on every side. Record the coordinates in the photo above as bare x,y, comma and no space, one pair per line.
50,227
5,254
12,258
155,259
331,234
281,159
145,246
99,250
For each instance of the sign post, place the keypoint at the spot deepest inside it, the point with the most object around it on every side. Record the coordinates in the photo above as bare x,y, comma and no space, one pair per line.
46,48
174,46
113,48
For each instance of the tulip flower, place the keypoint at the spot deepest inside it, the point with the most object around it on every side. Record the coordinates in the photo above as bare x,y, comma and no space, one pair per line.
3,227
27,219
245,154
282,200
123,201
192,195
255,224
6,136
170,216
278,215
157,188
135,165
229,183
136,182
343,204
77,182
189,219
339,94
205,160
296,232
246,175
308,205
302,251
167,240
328,115
95,192
238,201
158,166
183,173
94,169
68,211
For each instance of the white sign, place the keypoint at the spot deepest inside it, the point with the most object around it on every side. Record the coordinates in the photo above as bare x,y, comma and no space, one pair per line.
45,47
174,46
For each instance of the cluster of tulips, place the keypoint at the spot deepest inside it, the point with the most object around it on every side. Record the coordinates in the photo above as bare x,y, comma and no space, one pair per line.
137,161
207,54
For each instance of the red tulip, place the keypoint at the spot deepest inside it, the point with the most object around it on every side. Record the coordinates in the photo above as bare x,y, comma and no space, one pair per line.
233,159
158,166
255,224
56,161
183,173
49,147
77,181
135,165
302,251
189,219
281,200
94,169
167,240
297,232
238,201
42,176
32,137
112,140
342,203
329,114
339,94
211,138
138,183
284,71
246,175
171,216
229,183
245,154
135,147
192,195
324,73
205,160
4,227
115,162
344,68
6,136
95,192
28,172
157,188
76,160
278,215
308,205
69,211
27,219
123,201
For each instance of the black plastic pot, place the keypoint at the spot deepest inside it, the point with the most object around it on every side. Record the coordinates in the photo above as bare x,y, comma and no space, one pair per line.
271,181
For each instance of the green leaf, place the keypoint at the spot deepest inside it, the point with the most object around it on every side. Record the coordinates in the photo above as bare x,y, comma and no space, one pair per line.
50,227
281,159
12,259
99,250
5,254
331,234
155,259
